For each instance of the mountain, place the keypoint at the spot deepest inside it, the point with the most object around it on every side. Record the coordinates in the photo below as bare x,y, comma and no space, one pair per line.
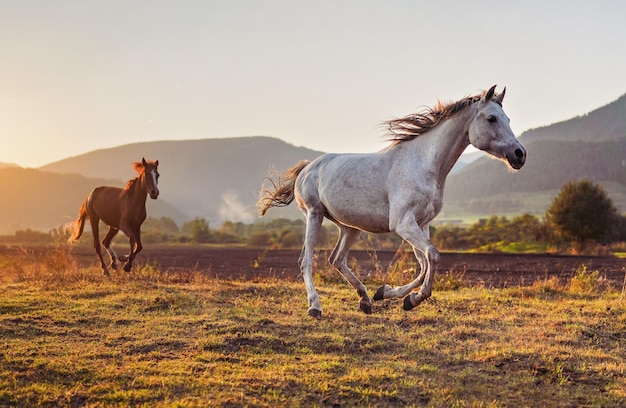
591,146
44,200
603,124
216,179
220,179
465,160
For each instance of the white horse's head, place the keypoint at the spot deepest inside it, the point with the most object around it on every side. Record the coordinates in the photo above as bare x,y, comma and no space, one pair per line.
490,131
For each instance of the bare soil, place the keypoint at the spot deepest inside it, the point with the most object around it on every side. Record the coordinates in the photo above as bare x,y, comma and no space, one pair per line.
486,269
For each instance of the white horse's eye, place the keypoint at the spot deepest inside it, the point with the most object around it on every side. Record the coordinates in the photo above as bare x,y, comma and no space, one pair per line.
491,119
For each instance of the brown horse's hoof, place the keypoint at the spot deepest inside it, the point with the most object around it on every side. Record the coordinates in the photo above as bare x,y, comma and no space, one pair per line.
315,313
127,267
106,273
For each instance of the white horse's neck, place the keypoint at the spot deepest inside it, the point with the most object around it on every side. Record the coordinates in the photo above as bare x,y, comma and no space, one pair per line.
440,148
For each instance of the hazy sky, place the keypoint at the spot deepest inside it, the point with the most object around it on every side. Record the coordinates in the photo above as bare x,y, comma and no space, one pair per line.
80,75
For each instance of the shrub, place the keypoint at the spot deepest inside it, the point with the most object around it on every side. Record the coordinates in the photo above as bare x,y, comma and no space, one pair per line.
587,282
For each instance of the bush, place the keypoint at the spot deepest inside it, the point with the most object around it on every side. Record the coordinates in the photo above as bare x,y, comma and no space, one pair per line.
259,239
587,282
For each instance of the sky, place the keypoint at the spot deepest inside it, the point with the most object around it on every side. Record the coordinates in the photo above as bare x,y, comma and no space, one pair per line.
81,75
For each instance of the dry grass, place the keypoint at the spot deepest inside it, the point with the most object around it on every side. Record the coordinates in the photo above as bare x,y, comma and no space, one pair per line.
73,338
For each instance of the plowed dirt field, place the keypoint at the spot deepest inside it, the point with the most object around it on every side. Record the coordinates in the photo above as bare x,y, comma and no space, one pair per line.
489,270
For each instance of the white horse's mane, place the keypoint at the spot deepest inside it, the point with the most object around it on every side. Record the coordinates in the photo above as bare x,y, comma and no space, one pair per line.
416,124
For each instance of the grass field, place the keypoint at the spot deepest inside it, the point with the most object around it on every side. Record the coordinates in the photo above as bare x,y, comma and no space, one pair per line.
69,337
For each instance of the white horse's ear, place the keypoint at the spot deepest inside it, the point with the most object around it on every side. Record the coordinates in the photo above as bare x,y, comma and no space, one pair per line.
490,93
500,96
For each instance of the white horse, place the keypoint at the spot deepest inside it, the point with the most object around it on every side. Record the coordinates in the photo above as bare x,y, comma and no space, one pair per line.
399,189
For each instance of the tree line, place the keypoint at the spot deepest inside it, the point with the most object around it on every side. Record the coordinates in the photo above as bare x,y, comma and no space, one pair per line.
580,218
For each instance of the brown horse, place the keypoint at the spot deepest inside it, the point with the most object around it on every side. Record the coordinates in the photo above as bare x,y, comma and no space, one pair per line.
121,209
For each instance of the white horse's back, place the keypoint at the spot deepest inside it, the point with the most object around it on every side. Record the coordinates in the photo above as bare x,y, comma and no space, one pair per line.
352,188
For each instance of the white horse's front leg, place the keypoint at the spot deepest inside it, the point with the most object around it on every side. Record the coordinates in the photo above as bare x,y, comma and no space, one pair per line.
389,292
428,257
415,298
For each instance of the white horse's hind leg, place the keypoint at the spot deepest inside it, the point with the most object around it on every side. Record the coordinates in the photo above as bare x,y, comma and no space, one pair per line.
339,259
313,224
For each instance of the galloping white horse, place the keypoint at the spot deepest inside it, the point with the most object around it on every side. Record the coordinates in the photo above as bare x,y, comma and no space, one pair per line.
399,189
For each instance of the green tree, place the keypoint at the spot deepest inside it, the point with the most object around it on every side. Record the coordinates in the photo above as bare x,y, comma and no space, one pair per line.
291,239
527,228
582,213
450,237
198,230
164,225
259,239
158,229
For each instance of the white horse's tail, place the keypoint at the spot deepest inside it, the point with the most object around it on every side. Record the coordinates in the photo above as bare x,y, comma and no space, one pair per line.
280,192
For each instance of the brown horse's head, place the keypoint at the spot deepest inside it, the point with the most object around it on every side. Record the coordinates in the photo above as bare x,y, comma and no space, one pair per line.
149,175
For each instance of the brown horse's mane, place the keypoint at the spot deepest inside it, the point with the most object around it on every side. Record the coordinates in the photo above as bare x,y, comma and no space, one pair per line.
131,183
139,168
416,124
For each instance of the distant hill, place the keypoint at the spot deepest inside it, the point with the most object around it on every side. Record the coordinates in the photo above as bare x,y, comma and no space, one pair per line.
220,179
465,160
216,179
5,165
43,200
603,124
591,146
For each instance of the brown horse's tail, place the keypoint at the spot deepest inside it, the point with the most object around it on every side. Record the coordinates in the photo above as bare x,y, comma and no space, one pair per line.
280,192
79,224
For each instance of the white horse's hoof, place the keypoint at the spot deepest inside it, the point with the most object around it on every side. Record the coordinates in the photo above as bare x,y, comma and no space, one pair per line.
316,313
408,305
365,306
380,293
418,297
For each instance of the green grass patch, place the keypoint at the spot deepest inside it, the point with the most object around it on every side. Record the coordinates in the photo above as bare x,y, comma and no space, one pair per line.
73,338
519,247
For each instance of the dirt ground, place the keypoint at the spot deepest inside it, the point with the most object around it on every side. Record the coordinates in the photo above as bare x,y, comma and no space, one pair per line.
489,270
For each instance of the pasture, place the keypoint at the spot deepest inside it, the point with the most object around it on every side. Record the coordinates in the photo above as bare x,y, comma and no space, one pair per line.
156,337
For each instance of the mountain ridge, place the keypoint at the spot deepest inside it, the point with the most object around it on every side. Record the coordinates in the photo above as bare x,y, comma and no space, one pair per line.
220,179
215,179
601,124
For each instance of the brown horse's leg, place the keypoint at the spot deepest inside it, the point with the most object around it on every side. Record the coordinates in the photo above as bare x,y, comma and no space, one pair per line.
135,247
107,245
96,241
